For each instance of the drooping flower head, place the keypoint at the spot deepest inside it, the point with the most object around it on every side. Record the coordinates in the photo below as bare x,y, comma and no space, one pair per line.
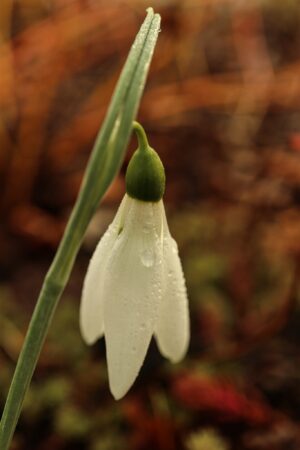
134,287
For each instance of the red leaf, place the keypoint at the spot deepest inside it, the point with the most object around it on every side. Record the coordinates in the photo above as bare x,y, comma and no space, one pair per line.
221,398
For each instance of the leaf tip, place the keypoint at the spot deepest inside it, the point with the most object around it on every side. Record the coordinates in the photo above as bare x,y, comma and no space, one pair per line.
150,10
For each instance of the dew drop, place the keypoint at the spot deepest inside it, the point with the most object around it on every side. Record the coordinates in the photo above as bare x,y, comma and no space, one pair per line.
147,258
147,227
175,249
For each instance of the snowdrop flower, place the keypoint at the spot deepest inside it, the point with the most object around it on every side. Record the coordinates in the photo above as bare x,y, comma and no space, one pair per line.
134,287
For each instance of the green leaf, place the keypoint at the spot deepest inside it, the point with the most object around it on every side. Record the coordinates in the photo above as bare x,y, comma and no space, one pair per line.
110,146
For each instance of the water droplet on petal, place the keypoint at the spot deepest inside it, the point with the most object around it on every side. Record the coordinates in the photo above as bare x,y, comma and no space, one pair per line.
147,227
175,249
147,258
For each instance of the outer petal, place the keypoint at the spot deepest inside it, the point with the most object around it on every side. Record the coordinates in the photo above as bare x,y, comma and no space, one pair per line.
172,331
132,292
91,307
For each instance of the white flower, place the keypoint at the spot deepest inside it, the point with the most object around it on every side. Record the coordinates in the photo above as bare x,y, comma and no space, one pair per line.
135,288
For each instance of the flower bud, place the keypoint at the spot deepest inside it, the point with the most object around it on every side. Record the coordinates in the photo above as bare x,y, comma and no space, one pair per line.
145,176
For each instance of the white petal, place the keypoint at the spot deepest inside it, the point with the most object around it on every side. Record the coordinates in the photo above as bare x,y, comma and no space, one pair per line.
132,292
91,307
172,331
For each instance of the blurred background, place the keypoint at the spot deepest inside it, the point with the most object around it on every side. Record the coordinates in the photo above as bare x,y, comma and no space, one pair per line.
222,108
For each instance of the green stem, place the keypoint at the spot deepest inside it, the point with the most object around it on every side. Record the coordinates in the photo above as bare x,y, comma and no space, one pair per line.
105,161
141,136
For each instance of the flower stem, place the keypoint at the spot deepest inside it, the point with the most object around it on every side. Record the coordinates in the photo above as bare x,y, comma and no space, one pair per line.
105,161
141,136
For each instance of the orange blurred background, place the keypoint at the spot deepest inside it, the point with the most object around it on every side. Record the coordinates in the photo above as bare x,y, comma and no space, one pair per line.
221,104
